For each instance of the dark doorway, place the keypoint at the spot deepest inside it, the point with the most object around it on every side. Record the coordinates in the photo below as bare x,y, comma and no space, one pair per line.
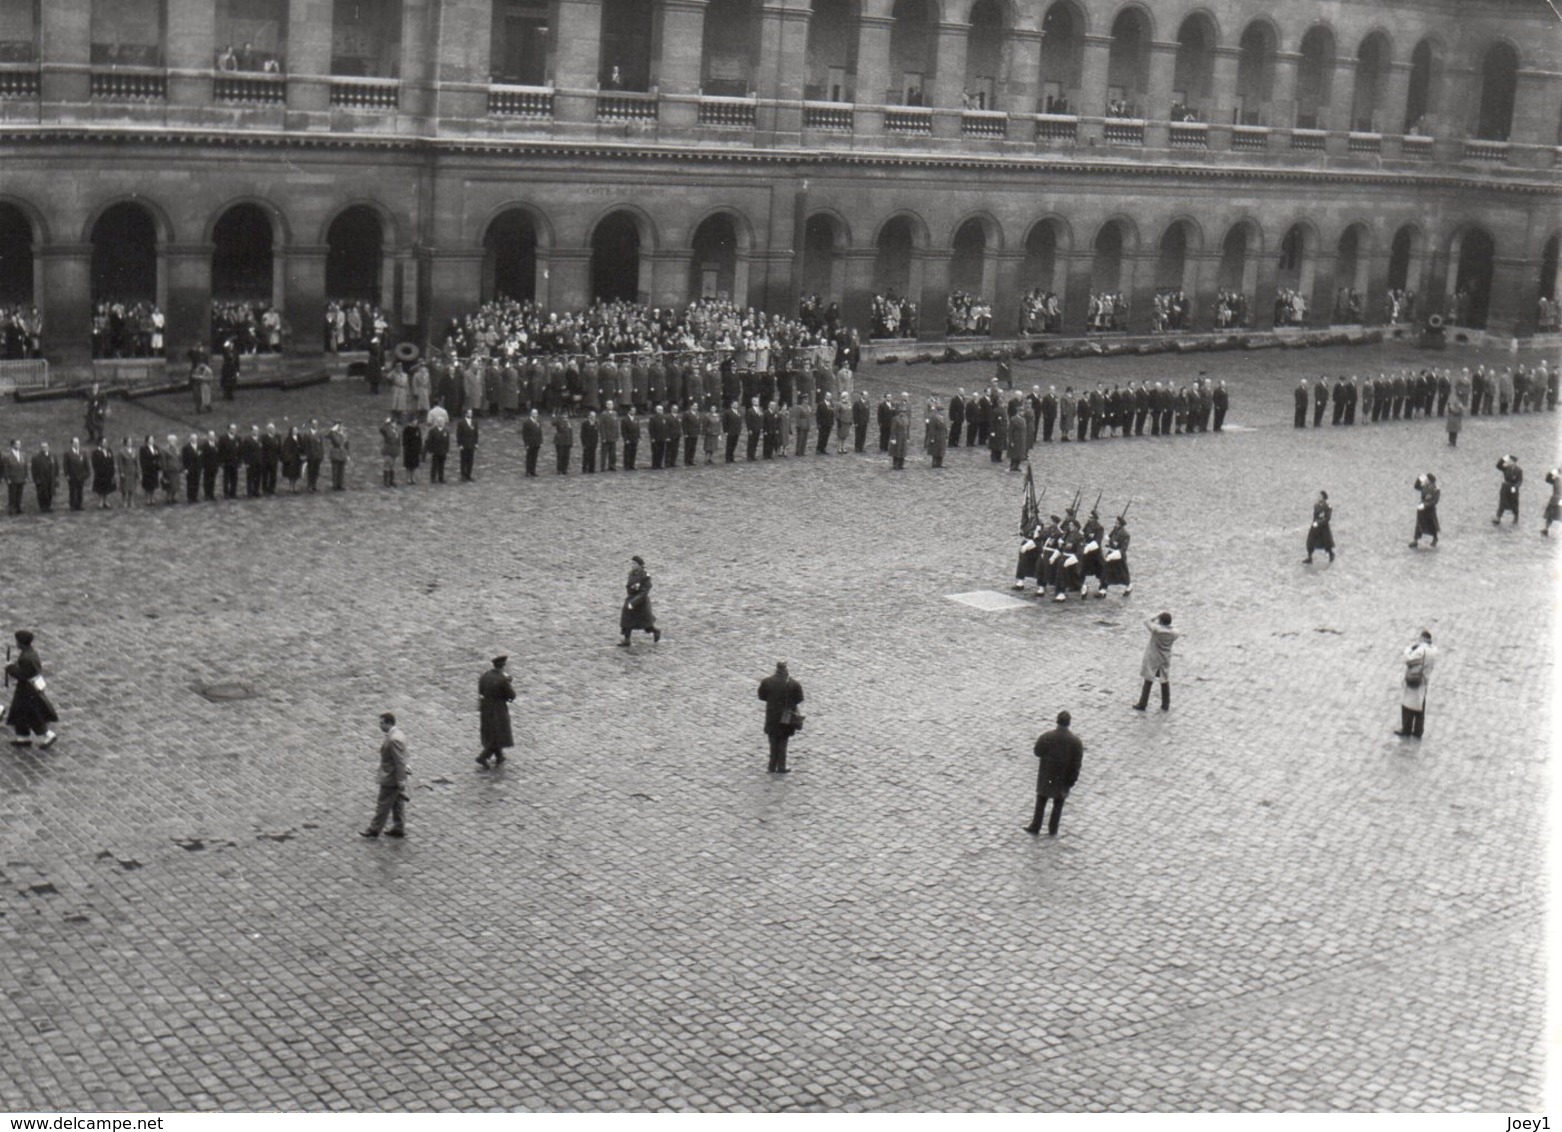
242,256
124,255
615,259
510,257
355,256
16,257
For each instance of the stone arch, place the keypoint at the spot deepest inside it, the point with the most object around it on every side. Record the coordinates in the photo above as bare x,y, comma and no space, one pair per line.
972,264
1374,56
18,261
986,43
1241,252
1193,72
1176,265
833,31
1298,265
1406,266
1498,69
127,253
245,264
897,265
1472,254
913,52
1047,247
826,239
1315,77
515,239
1062,56
1256,53
160,217
1115,246
720,244
355,260
1421,96
621,237
388,223
1352,266
1551,267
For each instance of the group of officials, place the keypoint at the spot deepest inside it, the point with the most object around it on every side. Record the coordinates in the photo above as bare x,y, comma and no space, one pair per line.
1408,393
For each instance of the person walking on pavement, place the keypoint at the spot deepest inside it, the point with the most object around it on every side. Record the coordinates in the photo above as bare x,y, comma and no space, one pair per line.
1058,756
494,693
1507,493
781,695
393,782
1426,510
1320,536
1157,661
1419,658
637,613
31,710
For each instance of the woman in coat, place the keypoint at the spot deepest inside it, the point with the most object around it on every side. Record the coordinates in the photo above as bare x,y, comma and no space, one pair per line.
411,449
31,711
1319,535
292,457
637,613
1418,658
102,472
150,467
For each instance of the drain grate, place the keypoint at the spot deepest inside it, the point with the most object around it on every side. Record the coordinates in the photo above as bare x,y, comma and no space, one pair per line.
227,693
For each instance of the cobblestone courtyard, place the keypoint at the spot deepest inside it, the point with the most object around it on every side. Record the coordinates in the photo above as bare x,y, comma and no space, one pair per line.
1262,900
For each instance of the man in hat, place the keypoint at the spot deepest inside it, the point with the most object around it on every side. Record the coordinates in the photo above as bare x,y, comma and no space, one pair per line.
781,695
392,780
494,694
1419,658
1507,493
45,472
1059,754
637,613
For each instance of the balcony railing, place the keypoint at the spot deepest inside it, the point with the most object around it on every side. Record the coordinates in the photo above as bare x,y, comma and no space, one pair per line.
909,120
365,93
984,124
732,113
1250,138
249,88
1057,127
18,80
1308,140
1364,143
1416,146
626,106
1476,149
1124,131
508,101
1189,135
125,85
827,116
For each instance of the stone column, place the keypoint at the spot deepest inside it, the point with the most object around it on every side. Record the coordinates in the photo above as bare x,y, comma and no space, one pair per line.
1282,112
420,20
1139,286
1006,291
455,284
1163,66
1342,99
1204,270
65,51
1018,91
304,297
1092,83
308,61
1374,298
857,302
933,295
1076,296
683,47
65,298
1223,96
949,79
463,59
1535,103
1266,286
577,59
1396,103
191,46
189,296
569,282
872,74
1511,310
783,67
669,275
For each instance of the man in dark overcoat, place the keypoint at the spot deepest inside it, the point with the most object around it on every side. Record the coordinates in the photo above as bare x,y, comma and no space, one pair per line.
781,694
31,709
1058,756
637,612
494,694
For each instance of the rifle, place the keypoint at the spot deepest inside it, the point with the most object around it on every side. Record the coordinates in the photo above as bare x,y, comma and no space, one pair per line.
1123,515
1073,507
7,666
1030,510
1097,503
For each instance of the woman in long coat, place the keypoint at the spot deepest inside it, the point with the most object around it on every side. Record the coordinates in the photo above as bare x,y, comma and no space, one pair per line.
411,449
102,472
292,457
31,711
1319,535
494,693
421,384
150,467
637,613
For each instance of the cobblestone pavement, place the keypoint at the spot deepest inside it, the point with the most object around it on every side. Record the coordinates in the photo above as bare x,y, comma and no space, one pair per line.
1262,900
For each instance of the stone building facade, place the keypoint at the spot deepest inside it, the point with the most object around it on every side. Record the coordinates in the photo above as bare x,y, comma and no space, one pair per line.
429,154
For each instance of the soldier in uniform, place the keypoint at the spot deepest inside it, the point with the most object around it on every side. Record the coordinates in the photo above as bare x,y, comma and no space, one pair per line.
1092,564
1030,551
899,435
1049,412
608,433
732,427
1320,536
494,696
690,426
1301,404
563,441
710,431
1368,401
1115,564
629,427
1508,493
1426,510
1553,510
1016,440
754,422
802,424
956,417
1066,414
938,429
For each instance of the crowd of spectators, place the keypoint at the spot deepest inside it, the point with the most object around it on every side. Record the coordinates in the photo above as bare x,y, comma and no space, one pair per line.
817,315
21,332
247,58
1401,306
1348,307
128,330
969,315
350,324
1290,308
1170,311
893,317
1040,312
1107,312
1230,309
254,327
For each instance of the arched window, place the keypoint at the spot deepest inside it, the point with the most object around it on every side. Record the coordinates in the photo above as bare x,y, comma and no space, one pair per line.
1237,278
19,31
824,267
913,52
1470,277
892,263
615,258
510,257
1315,79
968,259
628,28
1255,75
832,51
1128,65
128,33
355,256
251,35
1062,58
519,49
984,55
1193,77
366,38
1499,79
1404,274
730,55
1372,62
1418,99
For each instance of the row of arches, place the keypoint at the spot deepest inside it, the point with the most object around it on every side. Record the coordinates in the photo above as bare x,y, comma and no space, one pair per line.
248,253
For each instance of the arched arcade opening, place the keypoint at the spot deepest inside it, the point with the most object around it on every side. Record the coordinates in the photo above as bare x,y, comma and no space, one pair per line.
616,249
1471,263
244,256
510,257
355,257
